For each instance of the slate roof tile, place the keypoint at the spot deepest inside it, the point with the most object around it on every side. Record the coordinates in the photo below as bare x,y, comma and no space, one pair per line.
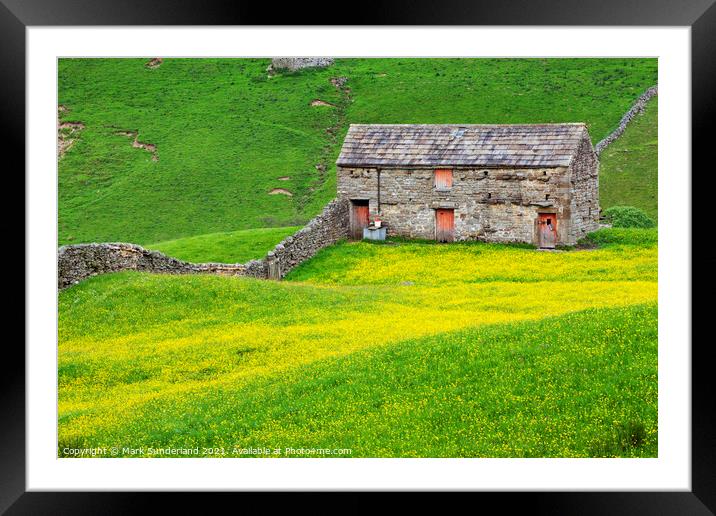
534,145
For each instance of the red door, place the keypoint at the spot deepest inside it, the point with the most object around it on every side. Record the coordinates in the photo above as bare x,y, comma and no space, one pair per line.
547,230
359,219
444,225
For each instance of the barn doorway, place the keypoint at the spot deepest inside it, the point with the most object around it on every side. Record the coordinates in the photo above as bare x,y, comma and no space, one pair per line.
444,225
547,230
359,218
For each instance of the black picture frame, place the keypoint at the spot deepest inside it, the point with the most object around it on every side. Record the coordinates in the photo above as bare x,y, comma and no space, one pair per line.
700,15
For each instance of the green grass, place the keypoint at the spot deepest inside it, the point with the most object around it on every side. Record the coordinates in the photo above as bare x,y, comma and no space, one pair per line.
628,173
624,254
368,348
581,385
232,247
225,132
616,237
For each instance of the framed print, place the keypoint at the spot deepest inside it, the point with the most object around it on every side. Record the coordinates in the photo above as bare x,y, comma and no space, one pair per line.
451,252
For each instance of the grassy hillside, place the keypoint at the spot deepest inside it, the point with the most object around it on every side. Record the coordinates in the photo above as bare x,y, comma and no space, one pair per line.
628,174
231,247
158,360
226,135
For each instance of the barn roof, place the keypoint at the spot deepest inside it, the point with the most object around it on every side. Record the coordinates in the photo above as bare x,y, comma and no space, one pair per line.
392,145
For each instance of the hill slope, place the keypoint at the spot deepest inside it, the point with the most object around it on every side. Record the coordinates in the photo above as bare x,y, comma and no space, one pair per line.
628,173
226,136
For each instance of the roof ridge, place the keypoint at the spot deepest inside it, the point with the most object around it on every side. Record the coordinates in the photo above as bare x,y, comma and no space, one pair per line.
546,144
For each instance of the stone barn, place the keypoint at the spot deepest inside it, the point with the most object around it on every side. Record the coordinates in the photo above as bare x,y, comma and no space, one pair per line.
499,183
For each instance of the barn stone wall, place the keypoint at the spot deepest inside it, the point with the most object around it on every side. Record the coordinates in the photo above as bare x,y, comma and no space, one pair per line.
78,262
584,178
496,205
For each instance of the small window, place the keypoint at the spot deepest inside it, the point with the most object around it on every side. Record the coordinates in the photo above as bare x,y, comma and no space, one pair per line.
443,179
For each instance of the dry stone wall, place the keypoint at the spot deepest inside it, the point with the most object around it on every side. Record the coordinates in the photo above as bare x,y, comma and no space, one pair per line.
326,229
78,262
637,108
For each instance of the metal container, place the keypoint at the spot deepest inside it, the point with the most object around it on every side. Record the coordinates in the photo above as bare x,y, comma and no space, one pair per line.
373,233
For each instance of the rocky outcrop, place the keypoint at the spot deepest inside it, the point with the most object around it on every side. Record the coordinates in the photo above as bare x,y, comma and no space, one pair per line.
292,64
67,132
154,63
78,262
149,147
637,108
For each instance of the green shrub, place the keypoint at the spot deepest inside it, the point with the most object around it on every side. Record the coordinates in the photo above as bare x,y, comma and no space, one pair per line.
628,217
605,237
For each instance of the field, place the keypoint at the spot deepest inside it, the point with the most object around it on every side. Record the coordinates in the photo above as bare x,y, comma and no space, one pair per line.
230,247
387,361
628,167
225,132
396,349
